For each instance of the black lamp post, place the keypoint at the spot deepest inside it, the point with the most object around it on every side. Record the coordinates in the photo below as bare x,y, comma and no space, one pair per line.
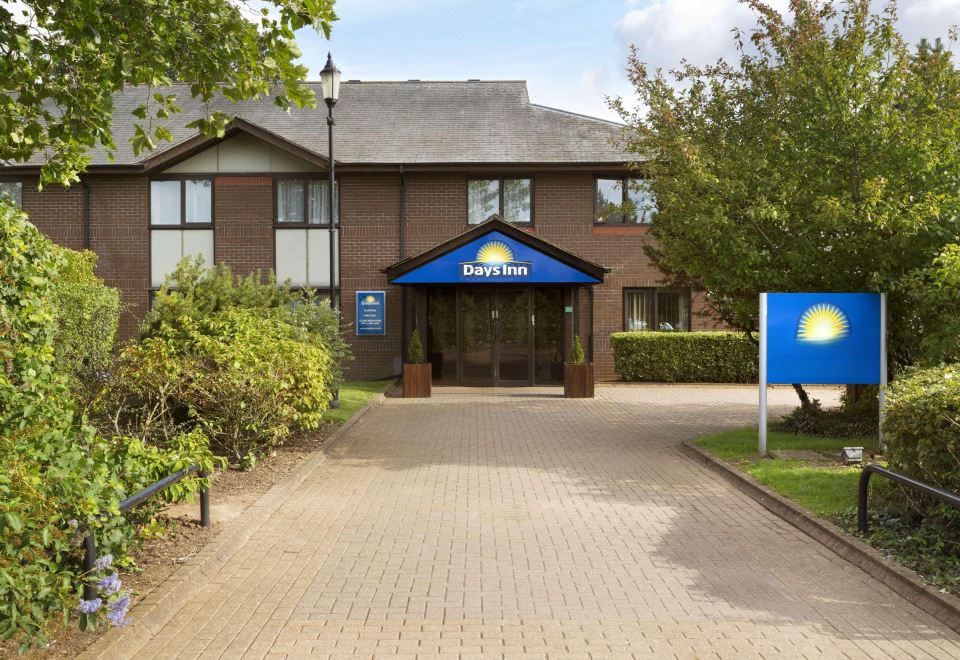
330,85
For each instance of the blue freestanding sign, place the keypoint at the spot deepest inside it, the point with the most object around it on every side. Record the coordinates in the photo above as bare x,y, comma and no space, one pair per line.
821,338
371,313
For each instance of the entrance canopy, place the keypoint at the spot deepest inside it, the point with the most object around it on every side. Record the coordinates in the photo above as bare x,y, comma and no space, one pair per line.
496,252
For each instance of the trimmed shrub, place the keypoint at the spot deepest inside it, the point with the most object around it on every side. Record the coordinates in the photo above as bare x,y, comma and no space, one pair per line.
58,476
246,378
922,432
685,357
194,292
87,319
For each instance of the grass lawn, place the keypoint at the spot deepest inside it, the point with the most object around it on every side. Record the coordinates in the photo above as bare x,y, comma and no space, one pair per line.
354,395
825,490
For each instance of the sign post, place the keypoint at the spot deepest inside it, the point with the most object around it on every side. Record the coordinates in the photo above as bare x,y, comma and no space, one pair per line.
821,338
763,374
371,313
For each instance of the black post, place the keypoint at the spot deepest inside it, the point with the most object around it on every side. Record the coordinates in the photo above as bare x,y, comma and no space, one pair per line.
334,237
204,503
89,561
862,491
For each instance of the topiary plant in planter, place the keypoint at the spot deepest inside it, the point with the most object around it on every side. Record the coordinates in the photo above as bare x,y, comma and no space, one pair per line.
416,372
577,374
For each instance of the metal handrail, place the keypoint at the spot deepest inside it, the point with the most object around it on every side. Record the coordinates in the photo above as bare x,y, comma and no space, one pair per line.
863,490
90,542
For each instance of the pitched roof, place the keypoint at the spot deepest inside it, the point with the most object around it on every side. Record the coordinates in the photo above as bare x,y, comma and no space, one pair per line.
411,122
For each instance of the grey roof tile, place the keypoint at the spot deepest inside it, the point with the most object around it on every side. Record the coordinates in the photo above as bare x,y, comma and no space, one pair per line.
403,122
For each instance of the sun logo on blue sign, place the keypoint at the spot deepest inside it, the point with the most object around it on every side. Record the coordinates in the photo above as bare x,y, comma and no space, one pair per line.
370,300
495,252
822,323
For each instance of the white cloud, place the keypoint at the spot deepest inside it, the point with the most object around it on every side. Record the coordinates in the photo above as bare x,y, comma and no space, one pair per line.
668,31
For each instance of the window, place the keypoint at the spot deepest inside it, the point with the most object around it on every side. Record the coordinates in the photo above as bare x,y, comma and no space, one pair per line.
303,256
12,190
624,200
510,198
181,202
656,309
181,214
306,202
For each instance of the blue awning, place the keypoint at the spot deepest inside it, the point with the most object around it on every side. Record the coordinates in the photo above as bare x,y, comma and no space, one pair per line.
496,252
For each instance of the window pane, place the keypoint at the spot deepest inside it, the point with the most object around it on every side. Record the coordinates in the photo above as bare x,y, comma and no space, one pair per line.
639,310
609,200
12,190
673,310
318,200
199,200
483,199
290,200
642,203
165,202
166,250
516,200
291,256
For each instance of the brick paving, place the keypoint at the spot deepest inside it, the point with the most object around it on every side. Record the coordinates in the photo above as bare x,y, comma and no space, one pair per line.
490,523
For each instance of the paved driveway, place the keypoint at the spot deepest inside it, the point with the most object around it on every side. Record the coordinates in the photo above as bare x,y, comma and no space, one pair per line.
510,522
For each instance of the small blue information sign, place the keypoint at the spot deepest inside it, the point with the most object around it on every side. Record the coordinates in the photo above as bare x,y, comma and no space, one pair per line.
371,313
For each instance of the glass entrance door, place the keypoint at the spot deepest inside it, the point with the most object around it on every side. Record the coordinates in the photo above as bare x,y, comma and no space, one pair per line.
513,337
477,336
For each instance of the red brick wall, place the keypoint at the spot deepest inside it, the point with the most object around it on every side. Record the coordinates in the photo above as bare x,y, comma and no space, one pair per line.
243,222
370,211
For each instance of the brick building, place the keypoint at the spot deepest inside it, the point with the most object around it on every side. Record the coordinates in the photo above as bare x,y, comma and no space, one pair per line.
437,183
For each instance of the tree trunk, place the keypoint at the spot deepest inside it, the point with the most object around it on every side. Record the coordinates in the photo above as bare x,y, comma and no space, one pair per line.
804,397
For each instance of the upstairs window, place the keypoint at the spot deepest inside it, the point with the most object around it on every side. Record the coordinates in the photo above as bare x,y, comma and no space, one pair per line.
656,309
306,202
181,202
12,190
624,200
511,199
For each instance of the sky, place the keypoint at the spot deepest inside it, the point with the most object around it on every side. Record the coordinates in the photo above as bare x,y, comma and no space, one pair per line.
572,53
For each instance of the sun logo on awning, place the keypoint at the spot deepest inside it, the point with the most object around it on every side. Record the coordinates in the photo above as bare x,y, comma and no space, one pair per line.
495,252
823,323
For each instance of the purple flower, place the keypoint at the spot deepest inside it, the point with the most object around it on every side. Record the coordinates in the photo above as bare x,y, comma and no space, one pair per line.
109,585
73,523
89,606
103,563
117,614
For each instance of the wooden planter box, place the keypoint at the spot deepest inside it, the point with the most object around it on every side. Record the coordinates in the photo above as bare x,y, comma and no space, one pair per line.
578,380
417,379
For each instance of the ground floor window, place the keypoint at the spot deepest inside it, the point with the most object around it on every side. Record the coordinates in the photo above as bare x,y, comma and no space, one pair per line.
169,246
656,309
303,257
12,190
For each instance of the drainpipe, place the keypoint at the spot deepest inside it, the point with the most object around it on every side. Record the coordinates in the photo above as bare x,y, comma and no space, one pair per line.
86,214
401,235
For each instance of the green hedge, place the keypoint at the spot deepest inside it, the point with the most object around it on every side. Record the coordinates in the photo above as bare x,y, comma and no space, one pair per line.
685,357
922,431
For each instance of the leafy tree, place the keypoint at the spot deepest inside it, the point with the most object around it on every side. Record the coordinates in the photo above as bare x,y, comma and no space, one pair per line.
63,61
826,158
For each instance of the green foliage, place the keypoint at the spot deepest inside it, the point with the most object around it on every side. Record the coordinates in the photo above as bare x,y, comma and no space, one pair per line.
854,419
934,302
922,432
87,318
827,158
415,348
685,357
66,59
58,474
576,353
244,377
194,292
